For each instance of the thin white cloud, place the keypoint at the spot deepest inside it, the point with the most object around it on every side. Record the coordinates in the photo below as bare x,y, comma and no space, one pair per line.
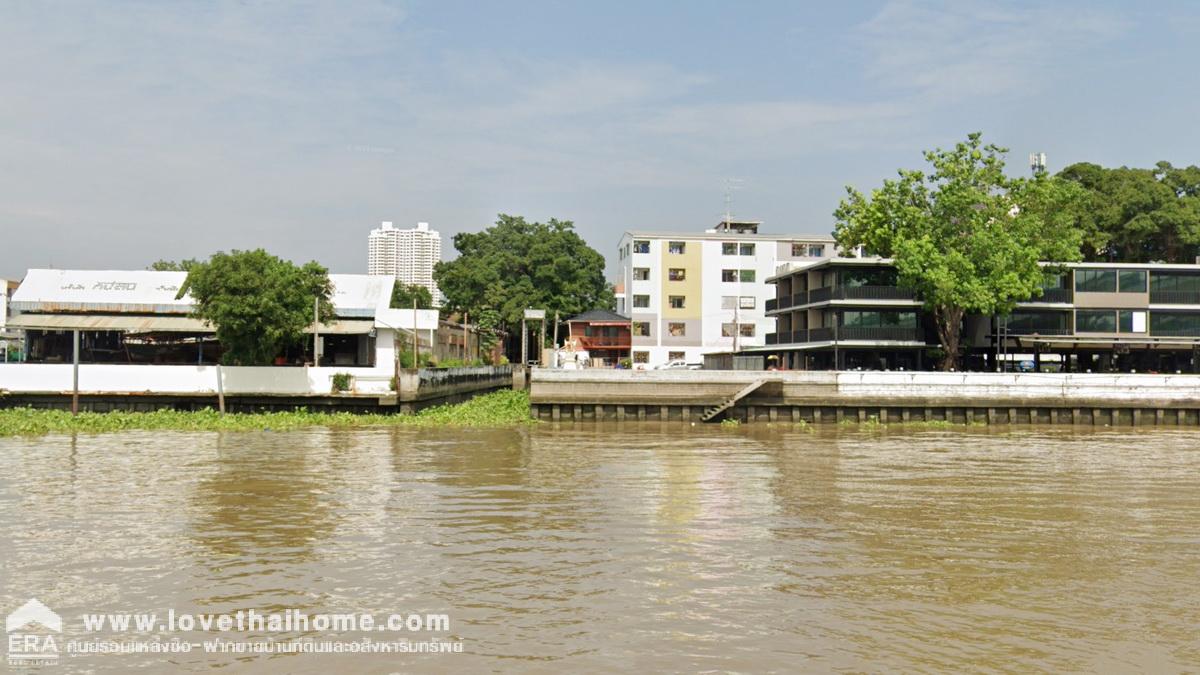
955,50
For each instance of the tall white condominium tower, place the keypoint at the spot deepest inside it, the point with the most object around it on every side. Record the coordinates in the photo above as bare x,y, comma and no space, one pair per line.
407,255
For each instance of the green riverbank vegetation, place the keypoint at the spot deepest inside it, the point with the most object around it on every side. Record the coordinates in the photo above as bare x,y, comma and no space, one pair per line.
500,408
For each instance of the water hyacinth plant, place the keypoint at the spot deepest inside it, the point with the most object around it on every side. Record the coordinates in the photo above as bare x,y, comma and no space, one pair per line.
500,408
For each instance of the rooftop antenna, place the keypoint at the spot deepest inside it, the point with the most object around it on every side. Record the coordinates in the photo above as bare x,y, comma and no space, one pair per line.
1037,162
732,184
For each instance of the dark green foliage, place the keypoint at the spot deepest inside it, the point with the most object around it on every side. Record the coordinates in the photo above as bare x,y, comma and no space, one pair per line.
515,265
174,266
1138,215
342,382
404,294
965,237
259,304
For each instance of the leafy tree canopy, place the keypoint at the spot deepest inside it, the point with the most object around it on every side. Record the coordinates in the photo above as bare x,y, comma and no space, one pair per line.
964,236
174,265
515,265
404,294
1138,215
258,303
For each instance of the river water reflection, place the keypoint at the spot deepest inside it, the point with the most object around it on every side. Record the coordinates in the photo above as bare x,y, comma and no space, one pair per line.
635,547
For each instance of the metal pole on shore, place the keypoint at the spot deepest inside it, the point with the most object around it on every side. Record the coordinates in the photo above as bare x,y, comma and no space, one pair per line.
416,341
75,373
220,390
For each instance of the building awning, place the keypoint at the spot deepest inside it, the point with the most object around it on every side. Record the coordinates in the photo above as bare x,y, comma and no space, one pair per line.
128,323
155,324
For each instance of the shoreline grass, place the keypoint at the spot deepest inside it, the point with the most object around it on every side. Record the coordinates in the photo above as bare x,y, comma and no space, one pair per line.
495,409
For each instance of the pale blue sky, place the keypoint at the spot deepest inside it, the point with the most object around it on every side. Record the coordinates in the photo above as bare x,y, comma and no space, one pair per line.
136,131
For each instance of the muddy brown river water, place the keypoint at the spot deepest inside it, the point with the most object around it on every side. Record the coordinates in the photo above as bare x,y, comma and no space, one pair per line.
631,548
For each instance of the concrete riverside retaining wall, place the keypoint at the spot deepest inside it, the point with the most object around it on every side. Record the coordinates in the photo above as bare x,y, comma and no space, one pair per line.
822,396
145,387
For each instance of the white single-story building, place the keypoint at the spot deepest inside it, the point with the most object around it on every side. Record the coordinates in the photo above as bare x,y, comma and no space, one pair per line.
136,335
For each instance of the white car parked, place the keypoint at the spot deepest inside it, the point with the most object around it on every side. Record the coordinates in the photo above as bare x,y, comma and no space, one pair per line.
678,364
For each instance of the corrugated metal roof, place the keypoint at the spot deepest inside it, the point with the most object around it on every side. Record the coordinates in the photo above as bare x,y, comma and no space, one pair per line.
150,292
102,291
132,323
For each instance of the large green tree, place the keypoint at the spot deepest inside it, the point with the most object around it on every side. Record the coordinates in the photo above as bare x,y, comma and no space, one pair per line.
404,294
1139,215
964,236
515,265
259,304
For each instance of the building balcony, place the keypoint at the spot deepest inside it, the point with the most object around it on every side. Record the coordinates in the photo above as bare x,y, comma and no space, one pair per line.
860,293
820,334
772,304
1175,297
604,342
881,333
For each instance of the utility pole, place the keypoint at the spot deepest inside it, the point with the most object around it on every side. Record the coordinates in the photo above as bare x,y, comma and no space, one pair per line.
316,331
555,345
524,343
416,341
75,370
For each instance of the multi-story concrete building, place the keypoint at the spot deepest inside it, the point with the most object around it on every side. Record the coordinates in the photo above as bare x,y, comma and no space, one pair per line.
407,255
848,313
692,293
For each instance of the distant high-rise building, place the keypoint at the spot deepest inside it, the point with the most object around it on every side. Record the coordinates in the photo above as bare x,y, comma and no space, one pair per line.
407,255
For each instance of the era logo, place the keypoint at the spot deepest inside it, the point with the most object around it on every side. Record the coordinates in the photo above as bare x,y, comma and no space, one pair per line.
27,647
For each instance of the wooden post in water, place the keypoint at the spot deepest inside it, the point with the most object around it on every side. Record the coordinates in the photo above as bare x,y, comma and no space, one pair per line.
75,373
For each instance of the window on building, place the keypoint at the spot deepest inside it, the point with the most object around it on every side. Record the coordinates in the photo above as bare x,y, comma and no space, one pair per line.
641,245
729,301
641,274
676,274
1130,321
1132,281
746,329
746,249
676,329
1024,321
641,301
816,250
675,356
746,276
641,356
729,275
675,301
641,328
676,247
801,250
1096,281
728,329
1095,320
746,302
870,276
881,319
728,248
1175,323
1174,281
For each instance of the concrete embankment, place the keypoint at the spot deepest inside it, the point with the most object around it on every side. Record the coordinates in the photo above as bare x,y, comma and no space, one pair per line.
104,387
889,397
